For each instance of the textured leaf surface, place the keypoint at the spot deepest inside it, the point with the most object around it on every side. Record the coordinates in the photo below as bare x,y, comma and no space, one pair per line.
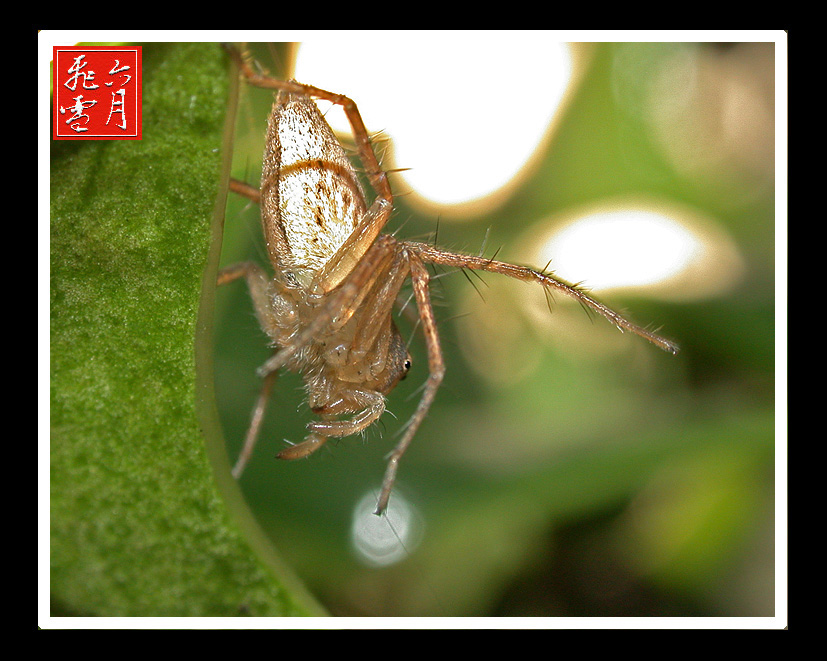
140,525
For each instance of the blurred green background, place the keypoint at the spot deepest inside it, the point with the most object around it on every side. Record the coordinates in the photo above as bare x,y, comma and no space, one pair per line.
584,473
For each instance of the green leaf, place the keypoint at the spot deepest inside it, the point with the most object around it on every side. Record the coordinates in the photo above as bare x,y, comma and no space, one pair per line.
145,519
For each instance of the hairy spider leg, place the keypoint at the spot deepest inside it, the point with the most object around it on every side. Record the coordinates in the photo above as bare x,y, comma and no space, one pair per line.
434,255
436,371
257,285
256,420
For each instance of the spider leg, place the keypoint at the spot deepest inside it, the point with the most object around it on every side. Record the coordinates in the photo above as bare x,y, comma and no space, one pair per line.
345,259
255,425
312,443
377,308
257,284
372,405
429,253
245,190
436,367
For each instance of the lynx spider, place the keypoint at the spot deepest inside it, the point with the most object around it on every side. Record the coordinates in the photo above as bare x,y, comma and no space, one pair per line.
327,308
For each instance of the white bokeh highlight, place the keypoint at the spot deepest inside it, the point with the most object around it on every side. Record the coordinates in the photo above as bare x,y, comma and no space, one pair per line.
465,115
629,248
667,251
380,541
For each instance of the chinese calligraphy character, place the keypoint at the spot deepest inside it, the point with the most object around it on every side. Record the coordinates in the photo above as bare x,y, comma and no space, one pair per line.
117,106
115,70
88,76
78,107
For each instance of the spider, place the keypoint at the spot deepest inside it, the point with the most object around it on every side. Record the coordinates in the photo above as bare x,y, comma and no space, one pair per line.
327,307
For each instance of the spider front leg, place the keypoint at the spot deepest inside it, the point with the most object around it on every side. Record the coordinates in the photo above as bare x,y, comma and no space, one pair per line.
420,279
436,255
301,450
368,406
